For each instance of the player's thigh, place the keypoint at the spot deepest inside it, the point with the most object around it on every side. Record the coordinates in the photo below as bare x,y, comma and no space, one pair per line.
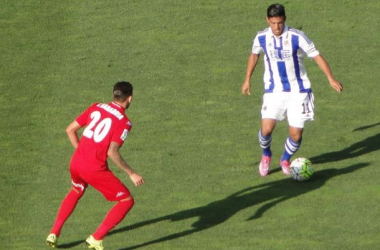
78,183
300,109
109,185
274,106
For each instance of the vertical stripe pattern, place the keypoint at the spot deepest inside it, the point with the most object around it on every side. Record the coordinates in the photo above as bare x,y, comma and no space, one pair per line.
295,45
284,69
263,44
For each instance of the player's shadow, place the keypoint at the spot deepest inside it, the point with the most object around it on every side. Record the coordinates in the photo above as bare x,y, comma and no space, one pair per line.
367,127
363,147
269,194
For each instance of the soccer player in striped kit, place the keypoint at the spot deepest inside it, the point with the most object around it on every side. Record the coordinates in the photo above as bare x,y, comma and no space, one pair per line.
287,89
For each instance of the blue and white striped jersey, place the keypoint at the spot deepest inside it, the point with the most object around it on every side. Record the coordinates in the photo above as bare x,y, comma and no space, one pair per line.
284,69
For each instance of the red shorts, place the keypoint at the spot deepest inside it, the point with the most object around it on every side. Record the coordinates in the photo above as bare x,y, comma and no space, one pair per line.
103,181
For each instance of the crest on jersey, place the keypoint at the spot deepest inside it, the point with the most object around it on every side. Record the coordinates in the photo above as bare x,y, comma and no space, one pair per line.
280,54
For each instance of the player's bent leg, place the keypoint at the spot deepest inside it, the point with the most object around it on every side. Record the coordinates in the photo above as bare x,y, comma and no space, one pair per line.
265,140
292,144
114,217
267,126
67,207
113,190
295,133
265,143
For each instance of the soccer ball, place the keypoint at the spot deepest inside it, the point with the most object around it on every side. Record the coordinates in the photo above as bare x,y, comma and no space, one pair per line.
301,169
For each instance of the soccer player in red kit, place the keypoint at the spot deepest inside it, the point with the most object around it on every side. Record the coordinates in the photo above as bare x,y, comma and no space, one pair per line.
107,127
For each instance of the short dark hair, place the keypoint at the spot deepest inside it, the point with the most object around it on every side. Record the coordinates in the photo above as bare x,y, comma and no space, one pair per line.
122,90
276,10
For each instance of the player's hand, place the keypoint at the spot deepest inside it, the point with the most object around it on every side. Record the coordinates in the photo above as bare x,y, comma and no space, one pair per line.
136,179
336,85
246,88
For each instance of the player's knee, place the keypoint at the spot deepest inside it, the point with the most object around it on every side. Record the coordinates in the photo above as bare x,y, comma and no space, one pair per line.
267,127
297,138
78,193
295,134
130,201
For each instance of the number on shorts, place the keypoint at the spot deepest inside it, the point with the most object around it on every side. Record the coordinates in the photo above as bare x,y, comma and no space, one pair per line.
101,129
306,109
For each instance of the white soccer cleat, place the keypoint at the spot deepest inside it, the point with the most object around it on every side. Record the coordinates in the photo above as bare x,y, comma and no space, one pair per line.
52,240
91,242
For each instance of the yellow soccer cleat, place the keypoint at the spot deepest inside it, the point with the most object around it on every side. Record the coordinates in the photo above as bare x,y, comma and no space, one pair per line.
52,240
91,242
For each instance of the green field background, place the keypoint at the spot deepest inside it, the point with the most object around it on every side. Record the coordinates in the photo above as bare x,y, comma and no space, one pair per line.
194,136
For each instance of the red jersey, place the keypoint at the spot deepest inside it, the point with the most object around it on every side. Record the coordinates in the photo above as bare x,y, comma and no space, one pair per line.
104,123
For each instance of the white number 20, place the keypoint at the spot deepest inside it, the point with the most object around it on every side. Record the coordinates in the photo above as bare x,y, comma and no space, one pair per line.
101,129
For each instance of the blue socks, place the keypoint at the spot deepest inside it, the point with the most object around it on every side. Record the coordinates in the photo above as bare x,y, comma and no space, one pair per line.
265,143
291,148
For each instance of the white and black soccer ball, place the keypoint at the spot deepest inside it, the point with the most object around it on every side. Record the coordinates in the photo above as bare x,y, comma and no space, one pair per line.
301,169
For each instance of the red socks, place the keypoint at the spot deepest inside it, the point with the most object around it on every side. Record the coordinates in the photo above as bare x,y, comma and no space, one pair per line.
114,217
67,207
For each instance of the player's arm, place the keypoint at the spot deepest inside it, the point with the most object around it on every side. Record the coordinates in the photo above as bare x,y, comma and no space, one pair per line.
324,66
114,154
71,132
251,65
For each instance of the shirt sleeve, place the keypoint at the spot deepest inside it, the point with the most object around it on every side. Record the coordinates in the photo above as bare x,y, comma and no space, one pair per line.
307,46
121,132
256,48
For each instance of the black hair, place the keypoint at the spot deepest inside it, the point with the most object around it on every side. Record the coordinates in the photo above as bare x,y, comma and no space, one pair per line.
122,90
276,10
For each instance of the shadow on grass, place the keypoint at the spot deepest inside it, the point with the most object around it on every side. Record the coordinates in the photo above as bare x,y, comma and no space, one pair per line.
71,244
363,147
217,212
367,127
270,193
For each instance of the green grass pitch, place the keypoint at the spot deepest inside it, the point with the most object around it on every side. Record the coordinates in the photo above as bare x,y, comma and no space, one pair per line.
194,137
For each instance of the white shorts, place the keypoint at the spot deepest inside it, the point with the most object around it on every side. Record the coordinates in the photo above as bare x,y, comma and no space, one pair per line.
298,107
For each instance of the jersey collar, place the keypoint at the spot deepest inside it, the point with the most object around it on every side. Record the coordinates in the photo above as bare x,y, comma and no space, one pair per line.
117,106
284,32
